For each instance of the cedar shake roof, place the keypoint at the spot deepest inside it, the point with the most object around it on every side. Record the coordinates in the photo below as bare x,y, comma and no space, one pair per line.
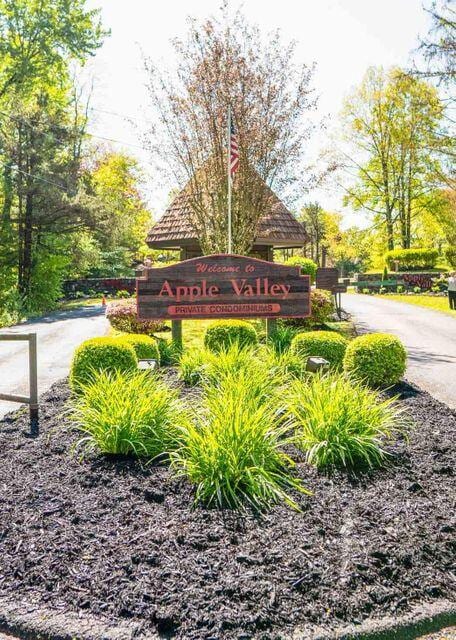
276,228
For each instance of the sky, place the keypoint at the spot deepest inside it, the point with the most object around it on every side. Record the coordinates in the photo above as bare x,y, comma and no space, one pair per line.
343,38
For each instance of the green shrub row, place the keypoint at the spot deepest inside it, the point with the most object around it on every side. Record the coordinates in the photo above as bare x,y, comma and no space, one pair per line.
411,258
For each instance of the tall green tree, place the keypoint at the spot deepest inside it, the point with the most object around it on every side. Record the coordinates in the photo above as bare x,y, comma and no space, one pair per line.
393,122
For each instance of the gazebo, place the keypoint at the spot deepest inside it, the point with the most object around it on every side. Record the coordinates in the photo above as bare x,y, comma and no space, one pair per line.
277,229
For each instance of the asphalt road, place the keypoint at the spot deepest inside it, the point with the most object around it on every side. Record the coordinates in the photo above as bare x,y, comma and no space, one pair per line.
429,337
57,336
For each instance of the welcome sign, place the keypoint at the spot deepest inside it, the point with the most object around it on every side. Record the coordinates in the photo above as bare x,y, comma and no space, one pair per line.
223,286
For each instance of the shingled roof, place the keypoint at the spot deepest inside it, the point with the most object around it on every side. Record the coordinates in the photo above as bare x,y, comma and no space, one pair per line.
276,228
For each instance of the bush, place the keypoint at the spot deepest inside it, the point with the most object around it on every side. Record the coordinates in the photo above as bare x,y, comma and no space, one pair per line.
233,454
450,254
122,293
281,338
221,334
412,258
202,365
169,351
129,413
338,421
377,358
322,309
100,354
123,317
145,347
323,344
308,266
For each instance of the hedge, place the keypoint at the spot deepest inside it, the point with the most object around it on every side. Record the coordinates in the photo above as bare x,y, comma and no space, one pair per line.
100,354
223,333
411,258
323,344
379,359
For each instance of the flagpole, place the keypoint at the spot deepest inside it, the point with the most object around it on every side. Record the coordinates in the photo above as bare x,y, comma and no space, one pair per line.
228,156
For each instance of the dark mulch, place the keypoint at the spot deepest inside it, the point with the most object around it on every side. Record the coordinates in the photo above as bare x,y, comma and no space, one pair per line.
108,536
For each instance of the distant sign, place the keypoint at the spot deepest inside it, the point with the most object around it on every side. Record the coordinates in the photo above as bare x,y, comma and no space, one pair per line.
223,286
328,278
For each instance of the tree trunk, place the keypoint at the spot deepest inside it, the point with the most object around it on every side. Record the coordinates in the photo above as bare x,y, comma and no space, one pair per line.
7,192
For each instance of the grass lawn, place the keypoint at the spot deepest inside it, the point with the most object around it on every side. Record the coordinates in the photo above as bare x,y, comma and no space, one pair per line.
67,305
431,302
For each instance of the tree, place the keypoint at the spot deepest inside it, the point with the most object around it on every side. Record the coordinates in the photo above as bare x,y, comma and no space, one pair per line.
393,121
41,131
313,217
439,48
225,63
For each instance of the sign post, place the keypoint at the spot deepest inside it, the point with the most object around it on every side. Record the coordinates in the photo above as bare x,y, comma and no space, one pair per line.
222,286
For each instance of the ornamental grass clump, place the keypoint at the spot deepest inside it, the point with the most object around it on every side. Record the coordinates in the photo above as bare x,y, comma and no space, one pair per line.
233,452
340,422
132,413
324,344
203,365
379,359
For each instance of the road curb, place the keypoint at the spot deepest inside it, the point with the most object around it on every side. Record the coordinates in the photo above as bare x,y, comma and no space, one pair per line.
31,622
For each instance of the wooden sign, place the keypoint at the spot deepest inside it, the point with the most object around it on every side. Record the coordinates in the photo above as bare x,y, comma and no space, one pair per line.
223,286
327,278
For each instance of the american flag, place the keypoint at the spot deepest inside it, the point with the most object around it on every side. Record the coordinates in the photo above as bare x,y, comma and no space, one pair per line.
234,150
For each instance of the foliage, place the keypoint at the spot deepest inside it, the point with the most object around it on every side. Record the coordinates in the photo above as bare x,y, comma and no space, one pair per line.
205,365
321,306
169,352
122,293
378,359
123,316
323,344
392,128
233,454
339,422
439,48
308,266
223,333
450,254
227,61
100,354
145,347
281,338
412,258
129,413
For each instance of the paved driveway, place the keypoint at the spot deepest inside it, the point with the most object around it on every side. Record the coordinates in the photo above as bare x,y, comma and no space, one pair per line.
57,336
429,337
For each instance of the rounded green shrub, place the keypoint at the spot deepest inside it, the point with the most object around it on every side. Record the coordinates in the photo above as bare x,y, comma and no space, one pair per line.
323,344
221,334
321,308
308,266
100,354
145,347
377,358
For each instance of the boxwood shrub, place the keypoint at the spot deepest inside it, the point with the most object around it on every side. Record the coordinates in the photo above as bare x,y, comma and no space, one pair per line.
412,258
324,344
145,347
308,266
223,333
379,359
100,354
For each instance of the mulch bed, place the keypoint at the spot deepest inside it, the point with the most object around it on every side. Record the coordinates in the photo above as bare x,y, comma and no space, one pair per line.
114,538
